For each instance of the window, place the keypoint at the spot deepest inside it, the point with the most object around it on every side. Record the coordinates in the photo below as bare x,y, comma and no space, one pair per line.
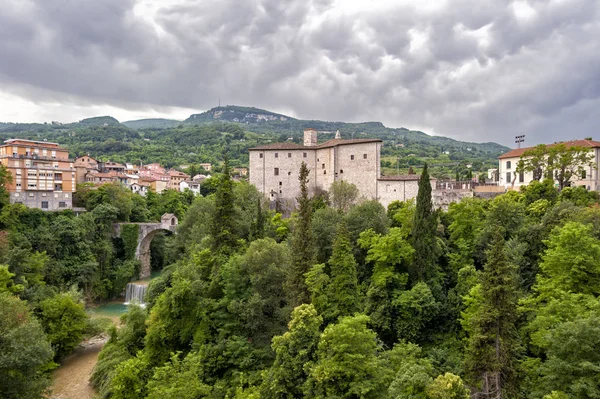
508,179
62,204
280,183
276,155
53,154
322,166
341,170
289,154
583,174
521,177
304,155
508,165
364,156
352,157
31,194
324,172
18,185
44,204
260,155
276,171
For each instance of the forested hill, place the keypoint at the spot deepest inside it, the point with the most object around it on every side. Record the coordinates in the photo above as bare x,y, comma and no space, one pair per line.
204,137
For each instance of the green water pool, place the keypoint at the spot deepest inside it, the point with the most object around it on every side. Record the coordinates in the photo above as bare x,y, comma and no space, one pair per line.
112,309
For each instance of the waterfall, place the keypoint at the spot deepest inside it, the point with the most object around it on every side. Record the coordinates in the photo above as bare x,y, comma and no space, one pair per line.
135,293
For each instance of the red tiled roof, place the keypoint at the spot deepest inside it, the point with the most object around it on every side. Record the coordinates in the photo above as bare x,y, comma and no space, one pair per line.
579,143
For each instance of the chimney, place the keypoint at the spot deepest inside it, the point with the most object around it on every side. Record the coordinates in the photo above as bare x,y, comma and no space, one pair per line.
310,137
337,134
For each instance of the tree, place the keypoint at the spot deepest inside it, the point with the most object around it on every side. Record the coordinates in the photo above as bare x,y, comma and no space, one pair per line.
294,354
348,363
301,244
490,319
343,195
25,352
64,321
223,219
343,290
447,386
5,177
424,233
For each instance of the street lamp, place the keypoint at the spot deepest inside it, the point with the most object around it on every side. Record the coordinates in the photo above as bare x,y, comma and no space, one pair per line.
519,140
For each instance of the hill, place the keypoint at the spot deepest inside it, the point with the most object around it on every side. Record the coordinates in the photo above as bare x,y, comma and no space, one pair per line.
236,114
204,137
151,123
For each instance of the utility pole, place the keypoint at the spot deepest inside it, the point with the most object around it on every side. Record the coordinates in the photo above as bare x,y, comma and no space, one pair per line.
519,140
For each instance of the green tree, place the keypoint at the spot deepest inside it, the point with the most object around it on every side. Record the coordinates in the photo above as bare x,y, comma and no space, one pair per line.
5,177
64,321
424,233
447,386
223,220
343,195
294,354
348,362
179,379
25,352
301,243
491,353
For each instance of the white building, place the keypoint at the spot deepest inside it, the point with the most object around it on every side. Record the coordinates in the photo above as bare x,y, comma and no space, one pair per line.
510,179
274,169
193,186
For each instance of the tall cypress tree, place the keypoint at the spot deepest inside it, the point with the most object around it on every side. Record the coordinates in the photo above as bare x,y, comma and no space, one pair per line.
223,223
343,288
303,253
423,233
492,349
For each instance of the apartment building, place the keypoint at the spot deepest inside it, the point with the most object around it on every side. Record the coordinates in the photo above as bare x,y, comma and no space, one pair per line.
43,176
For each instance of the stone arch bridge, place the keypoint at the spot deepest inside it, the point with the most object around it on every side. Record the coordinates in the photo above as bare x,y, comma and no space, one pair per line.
146,232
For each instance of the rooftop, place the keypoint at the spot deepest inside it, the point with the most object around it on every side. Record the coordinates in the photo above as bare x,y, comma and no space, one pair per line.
35,142
518,152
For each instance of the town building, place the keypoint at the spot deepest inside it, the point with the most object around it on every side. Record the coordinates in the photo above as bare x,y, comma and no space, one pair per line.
206,166
175,178
509,178
83,165
43,176
191,185
274,169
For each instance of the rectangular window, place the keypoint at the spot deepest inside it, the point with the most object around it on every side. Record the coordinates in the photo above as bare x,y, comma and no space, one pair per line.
276,155
508,179
289,154
322,166
364,156
260,155
583,174
62,204
44,204
521,177
304,155
276,171
352,157
53,154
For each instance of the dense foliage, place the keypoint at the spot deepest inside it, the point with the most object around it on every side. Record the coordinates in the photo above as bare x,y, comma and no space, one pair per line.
496,298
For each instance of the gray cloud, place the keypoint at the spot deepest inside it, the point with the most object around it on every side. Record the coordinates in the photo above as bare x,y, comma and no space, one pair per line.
475,70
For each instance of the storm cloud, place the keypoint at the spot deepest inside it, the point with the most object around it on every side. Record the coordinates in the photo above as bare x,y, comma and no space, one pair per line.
474,70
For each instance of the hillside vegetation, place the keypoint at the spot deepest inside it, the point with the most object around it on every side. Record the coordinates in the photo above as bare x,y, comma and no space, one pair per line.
205,137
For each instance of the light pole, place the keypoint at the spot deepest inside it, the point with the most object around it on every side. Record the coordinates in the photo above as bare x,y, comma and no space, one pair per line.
519,140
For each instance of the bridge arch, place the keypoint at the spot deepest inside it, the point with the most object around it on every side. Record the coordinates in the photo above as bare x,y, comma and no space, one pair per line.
146,232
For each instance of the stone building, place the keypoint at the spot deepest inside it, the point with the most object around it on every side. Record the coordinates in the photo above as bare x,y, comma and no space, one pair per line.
43,176
274,169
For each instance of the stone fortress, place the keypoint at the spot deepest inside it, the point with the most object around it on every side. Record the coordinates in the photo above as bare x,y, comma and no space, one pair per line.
274,169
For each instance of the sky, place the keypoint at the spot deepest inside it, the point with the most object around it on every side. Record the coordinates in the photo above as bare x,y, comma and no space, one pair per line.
476,70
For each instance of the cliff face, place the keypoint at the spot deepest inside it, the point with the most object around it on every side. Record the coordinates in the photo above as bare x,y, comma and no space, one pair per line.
232,113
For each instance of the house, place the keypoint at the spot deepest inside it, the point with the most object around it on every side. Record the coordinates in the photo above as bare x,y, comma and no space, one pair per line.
206,166
509,178
42,174
240,172
193,186
112,167
140,188
83,165
274,169
176,177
